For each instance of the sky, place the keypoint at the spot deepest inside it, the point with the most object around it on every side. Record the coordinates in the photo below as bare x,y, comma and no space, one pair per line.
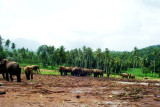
118,25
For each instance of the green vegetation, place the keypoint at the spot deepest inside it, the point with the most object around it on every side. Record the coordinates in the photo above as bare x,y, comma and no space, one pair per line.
141,63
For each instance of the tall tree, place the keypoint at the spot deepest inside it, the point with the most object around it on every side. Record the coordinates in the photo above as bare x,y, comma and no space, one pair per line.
155,52
1,41
135,56
13,46
98,58
7,43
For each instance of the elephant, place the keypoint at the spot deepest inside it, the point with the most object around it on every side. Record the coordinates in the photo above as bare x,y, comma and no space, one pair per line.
98,72
124,75
67,69
131,76
61,69
64,70
2,71
76,71
85,72
29,72
89,72
36,68
12,68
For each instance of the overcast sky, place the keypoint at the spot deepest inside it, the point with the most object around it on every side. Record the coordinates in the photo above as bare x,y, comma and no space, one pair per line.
119,25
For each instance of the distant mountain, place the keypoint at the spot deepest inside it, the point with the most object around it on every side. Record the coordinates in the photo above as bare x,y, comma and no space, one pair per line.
26,43
153,46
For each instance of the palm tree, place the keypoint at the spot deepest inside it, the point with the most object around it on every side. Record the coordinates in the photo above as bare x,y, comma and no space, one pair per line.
121,61
106,60
1,41
13,46
155,52
98,57
143,61
135,55
117,61
7,43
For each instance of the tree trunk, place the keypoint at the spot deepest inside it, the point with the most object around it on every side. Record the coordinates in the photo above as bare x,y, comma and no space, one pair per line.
154,67
134,68
142,72
116,70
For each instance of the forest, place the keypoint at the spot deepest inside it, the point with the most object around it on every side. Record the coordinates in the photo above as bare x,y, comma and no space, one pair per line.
142,62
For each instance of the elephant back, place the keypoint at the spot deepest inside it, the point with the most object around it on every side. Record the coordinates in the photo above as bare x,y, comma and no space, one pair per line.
10,65
35,67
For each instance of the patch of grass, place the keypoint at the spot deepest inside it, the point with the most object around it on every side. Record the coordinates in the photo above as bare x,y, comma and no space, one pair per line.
50,72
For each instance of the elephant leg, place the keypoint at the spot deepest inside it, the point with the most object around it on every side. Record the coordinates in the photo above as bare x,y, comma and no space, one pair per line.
29,76
11,77
19,78
61,73
96,75
32,75
7,76
3,76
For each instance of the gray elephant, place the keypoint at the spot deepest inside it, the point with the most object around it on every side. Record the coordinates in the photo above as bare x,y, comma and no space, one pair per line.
124,75
98,72
12,68
36,68
76,71
29,72
2,71
65,70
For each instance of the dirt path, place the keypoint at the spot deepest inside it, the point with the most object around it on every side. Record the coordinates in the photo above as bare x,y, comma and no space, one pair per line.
69,91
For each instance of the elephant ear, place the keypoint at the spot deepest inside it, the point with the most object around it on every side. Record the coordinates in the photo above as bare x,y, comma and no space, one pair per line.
4,61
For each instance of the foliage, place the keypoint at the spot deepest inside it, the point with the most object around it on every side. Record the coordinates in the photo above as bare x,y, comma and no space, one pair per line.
111,62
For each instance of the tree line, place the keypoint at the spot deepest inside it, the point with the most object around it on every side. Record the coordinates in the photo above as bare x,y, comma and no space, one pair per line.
148,59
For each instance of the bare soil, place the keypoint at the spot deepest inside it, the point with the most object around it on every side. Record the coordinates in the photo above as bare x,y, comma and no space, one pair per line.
71,91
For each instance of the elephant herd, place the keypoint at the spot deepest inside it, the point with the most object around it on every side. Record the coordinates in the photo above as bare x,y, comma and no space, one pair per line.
125,75
10,68
78,71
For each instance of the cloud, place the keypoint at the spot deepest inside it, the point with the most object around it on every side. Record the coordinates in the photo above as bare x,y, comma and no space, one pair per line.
114,24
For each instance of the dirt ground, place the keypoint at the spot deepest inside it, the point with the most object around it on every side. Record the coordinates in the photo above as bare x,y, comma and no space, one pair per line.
70,91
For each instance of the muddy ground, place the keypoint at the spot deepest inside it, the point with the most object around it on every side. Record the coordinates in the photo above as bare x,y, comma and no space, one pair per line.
70,91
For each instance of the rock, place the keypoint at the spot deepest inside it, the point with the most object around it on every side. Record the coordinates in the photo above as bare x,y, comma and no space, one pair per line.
110,96
2,92
78,96
1,84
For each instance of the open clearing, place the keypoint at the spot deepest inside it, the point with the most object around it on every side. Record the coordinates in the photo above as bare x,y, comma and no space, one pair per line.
71,91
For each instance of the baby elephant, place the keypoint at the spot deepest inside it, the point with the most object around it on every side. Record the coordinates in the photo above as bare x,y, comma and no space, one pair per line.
131,76
124,75
29,72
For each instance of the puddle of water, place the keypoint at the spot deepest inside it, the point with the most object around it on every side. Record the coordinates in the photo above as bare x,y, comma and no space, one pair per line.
157,84
83,90
117,92
126,82
77,91
113,103
142,83
102,87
